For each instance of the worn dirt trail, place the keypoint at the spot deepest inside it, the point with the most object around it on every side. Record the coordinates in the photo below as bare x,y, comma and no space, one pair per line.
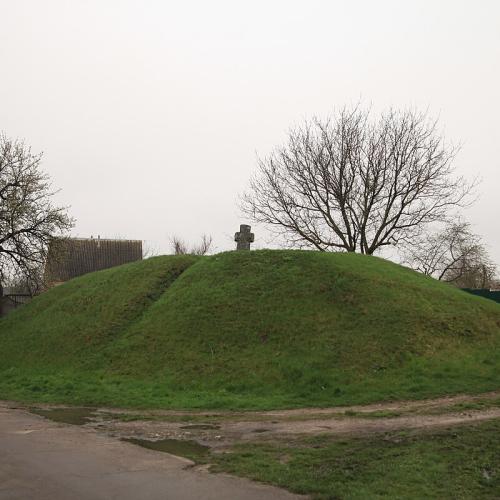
442,402
221,429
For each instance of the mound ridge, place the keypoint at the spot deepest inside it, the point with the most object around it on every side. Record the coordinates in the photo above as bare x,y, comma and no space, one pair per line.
256,329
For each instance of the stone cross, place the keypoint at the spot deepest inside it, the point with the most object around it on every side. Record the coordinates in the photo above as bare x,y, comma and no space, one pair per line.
243,238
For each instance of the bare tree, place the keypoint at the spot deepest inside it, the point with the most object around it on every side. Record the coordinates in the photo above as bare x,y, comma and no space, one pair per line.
180,247
455,255
28,218
149,250
356,184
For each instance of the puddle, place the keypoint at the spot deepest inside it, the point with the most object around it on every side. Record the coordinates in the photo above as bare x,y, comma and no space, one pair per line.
74,416
188,449
201,426
261,430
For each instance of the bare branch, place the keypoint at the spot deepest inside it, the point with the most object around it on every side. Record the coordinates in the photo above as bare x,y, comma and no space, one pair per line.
179,247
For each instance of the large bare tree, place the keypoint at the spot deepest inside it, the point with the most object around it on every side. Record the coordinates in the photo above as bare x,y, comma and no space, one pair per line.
455,254
356,183
28,218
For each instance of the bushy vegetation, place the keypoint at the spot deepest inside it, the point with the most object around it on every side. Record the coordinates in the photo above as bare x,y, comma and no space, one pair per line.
253,329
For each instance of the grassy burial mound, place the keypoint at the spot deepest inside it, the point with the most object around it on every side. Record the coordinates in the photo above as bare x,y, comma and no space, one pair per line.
250,330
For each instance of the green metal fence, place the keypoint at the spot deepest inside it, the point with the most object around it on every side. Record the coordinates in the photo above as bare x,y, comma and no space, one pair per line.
484,292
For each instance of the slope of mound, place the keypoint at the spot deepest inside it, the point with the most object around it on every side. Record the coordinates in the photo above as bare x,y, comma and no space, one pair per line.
70,324
254,329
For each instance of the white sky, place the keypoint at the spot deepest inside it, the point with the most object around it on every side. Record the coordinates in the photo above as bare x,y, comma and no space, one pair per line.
151,113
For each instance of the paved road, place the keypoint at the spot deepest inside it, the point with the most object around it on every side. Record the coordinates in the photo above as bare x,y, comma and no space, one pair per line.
43,460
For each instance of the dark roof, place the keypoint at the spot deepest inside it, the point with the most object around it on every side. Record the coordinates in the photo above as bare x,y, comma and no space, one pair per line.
73,257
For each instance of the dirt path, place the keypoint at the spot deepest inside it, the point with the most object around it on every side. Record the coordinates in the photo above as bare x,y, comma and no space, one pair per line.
225,431
221,429
359,425
436,403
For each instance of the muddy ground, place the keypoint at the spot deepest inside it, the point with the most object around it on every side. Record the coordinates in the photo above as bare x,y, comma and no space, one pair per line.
220,429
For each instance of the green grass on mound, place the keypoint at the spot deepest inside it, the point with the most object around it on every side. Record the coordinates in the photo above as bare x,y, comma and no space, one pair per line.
250,330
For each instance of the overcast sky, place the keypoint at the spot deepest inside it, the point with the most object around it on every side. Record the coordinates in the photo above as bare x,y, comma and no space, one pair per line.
150,113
